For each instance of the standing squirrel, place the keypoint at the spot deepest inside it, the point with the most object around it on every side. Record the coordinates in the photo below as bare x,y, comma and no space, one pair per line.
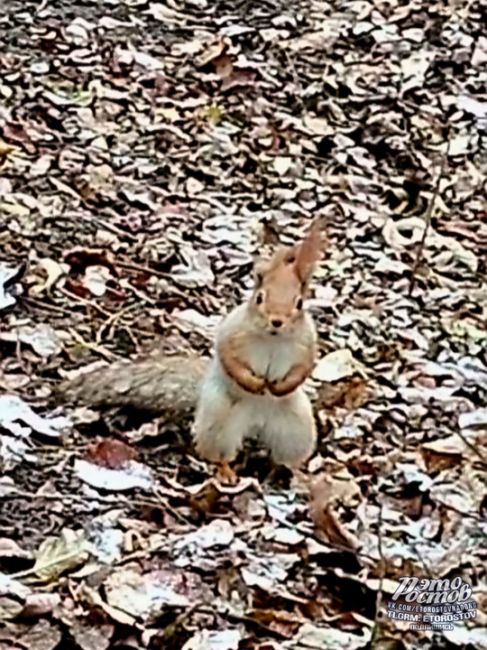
264,351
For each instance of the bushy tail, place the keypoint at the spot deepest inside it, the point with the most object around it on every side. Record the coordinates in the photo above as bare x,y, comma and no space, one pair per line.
164,384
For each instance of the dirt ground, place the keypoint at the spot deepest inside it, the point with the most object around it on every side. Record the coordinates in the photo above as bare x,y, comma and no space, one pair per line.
148,152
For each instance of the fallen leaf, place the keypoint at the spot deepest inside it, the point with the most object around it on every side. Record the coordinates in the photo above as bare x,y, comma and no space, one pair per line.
213,51
8,284
214,640
327,494
218,533
53,272
10,548
113,454
43,339
95,280
40,604
312,636
91,637
133,475
42,635
349,393
443,453
144,595
59,554
473,419
282,165
196,270
335,366
14,410
13,595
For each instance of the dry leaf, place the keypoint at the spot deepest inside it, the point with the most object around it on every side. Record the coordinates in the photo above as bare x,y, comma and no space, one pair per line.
59,554
327,494
335,366
132,475
113,454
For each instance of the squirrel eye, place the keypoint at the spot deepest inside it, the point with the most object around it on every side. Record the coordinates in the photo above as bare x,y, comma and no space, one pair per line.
259,298
299,304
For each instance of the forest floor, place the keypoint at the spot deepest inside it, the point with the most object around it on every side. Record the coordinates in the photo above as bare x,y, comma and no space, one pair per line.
148,151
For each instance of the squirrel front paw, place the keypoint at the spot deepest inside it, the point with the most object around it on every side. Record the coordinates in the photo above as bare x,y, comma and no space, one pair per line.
288,384
280,388
255,384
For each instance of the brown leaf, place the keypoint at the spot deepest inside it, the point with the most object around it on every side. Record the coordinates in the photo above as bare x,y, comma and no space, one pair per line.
206,500
17,133
111,453
40,604
213,51
223,66
349,393
443,453
281,621
269,234
240,77
326,495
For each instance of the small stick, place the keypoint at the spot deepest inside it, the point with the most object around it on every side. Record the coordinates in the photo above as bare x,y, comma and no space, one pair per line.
473,448
376,630
427,219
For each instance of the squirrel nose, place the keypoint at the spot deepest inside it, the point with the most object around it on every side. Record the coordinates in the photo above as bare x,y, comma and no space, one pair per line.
276,322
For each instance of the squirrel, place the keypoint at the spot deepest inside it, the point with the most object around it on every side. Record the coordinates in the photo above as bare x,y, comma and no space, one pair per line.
264,351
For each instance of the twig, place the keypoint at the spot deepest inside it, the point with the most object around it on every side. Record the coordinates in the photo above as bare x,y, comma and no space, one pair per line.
41,7
247,620
296,79
171,630
39,304
322,542
84,301
108,225
374,639
21,494
427,218
473,448
110,322
105,354
143,269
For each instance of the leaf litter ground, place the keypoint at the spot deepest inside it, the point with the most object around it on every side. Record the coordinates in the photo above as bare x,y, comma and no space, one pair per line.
148,151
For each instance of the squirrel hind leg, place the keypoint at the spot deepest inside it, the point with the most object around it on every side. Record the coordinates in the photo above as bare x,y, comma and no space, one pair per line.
219,430
290,430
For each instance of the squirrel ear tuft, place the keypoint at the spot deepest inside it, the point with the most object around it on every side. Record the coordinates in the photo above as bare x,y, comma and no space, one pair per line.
259,271
308,252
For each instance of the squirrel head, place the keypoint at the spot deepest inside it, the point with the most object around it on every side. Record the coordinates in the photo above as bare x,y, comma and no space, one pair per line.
282,282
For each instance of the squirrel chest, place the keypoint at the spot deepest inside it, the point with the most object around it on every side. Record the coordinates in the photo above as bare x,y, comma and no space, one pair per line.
268,355
272,356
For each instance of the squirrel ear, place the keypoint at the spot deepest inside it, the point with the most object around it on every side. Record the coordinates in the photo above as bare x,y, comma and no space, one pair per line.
259,271
308,252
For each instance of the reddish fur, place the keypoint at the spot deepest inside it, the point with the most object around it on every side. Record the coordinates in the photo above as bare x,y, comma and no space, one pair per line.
240,372
308,252
283,279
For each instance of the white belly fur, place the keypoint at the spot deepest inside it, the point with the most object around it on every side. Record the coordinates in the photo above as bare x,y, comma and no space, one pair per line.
272,356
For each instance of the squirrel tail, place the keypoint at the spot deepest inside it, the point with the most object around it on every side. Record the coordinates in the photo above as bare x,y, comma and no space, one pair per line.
165,384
